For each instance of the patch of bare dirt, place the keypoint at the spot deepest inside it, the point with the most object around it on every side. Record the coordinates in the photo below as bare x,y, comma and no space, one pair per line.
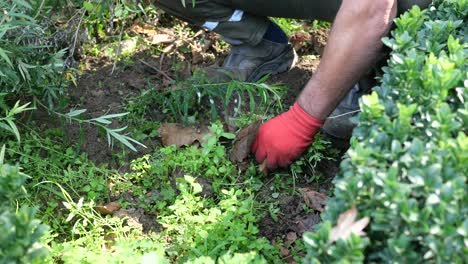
293,218
296,78
101,93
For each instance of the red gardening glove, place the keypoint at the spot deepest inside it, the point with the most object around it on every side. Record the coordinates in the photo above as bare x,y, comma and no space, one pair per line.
284,138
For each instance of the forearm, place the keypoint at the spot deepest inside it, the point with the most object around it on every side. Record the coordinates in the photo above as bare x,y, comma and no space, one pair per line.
352,49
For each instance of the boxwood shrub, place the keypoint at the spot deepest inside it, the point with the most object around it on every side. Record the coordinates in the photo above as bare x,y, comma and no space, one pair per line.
407,166
20,231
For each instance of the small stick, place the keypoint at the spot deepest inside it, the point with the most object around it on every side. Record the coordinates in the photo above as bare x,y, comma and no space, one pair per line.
118,50
157,70
76,33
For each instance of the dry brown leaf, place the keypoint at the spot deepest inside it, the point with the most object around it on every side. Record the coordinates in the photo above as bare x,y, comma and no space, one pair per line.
263,168
156,37
306,224
108,209
291,237
244,141
169,48
284,252
178,135
348,225
143,29
173,46
162,39
242,146
197,55
313,199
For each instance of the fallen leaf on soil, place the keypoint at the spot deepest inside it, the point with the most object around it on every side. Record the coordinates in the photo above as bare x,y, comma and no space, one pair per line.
197,55
162,39
284,252
108,209
178,135
243,142
143,29
348,225
156,37
306,224
173,46
263,168
291,237
314,200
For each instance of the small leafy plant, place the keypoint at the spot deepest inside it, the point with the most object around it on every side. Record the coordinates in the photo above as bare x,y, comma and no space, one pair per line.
202,228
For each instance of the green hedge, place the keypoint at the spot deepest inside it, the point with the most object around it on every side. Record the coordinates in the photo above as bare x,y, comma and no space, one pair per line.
407,167
20,231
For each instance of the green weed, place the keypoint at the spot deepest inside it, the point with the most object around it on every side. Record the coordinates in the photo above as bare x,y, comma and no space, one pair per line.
194,97
202,227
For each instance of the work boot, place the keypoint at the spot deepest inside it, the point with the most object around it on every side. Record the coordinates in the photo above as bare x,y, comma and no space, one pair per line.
340,123
250,63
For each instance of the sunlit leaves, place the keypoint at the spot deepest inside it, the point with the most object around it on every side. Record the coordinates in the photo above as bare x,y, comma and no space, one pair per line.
404,169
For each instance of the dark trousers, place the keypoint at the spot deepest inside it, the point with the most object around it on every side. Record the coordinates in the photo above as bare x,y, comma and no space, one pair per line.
245,21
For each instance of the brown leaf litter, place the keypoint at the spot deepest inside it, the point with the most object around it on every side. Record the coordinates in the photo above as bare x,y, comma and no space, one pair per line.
314,200
108,209
154,36
348,225
242,147
178,135
243,142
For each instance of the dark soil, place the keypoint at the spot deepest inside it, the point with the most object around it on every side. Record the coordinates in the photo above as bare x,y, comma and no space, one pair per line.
296,78
101,92
292,219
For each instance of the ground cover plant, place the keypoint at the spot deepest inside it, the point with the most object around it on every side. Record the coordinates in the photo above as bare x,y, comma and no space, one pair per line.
181,188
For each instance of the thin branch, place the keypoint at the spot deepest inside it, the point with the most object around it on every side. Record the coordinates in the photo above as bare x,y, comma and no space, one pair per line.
344,114
119,50
72,52
158,70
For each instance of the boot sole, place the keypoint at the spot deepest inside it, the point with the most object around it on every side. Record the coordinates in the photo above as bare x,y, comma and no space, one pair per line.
278,65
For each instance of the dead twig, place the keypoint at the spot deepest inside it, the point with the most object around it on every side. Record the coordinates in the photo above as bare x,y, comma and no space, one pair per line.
158,71
72,50
118,51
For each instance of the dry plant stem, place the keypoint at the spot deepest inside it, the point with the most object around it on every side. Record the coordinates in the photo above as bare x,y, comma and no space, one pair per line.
344,114
158,71
118,51
76,33
39,9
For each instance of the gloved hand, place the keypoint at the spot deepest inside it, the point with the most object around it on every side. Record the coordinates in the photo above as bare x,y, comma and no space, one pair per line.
284,138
